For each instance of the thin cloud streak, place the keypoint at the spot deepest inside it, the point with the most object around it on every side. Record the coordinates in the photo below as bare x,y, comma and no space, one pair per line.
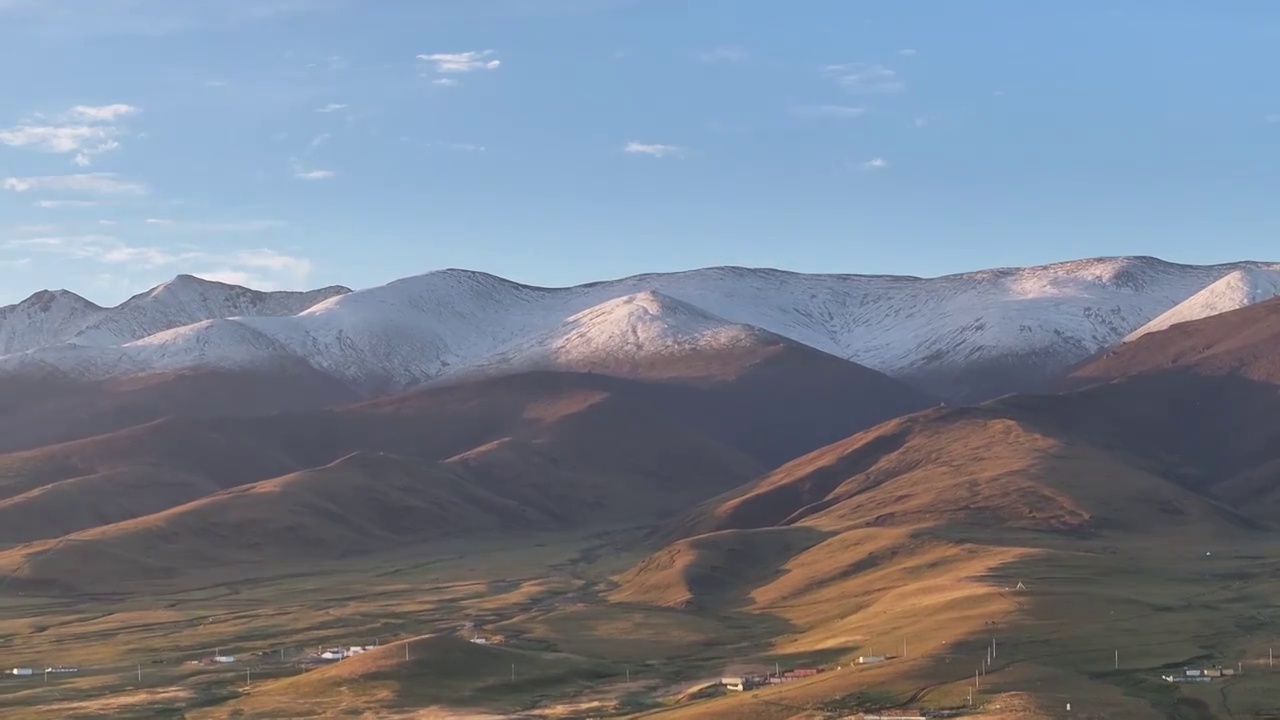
94,183
652,149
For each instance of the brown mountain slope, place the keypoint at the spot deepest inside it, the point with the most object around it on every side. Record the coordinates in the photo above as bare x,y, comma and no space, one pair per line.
559,442
774,399
1243,343
770,402
43,411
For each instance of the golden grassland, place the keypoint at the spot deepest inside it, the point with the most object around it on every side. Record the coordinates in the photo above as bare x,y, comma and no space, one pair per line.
584,655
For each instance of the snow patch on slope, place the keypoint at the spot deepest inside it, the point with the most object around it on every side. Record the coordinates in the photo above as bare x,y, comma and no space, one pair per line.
1238,289
223,344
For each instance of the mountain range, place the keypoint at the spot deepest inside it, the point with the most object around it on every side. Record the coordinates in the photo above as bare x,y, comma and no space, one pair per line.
963,337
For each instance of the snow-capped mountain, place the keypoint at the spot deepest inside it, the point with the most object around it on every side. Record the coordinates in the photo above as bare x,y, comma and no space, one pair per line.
50,318
45,318
1237,289
969,335
625,331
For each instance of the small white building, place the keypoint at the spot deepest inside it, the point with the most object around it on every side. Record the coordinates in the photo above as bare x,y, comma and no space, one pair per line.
61,670
23,672
224,658
480,640
868,659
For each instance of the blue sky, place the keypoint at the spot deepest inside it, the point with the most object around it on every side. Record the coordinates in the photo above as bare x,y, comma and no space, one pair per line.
298,143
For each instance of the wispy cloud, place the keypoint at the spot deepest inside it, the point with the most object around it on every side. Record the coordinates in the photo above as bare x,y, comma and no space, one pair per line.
444,82
94,183
314,174
908,52
241,226
653,150
55,204
1272,118
36,229
462,62
332,107
460,147
150,17
866,78
263,268
724,54
320,139
875,164
920,122
102,113
84,130
832,111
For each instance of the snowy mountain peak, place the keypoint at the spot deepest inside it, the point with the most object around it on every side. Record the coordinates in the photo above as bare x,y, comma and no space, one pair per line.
623,333
46,300
1237,289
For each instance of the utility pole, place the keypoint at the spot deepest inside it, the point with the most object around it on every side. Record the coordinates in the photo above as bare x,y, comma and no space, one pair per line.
904,646
139,672
46,676
281,654
628,674
248,679
777,669
975,679
513,672
993,648
1271,658
988,656
1117,659
406,650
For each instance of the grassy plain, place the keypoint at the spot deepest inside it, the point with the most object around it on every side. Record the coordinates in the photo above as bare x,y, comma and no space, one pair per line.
583,648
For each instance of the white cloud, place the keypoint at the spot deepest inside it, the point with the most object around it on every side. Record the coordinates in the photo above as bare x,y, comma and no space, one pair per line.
446,82
907,52
653,150
18,263
462,62
332,107
107,223
920,122
866,78
85,130
876,164
262,268
320,139
1273,118
215,83
833,111
103,113
95,183
314,174
730,54
54,204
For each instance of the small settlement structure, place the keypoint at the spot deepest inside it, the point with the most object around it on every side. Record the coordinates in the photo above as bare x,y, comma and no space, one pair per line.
740,683
1201,675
